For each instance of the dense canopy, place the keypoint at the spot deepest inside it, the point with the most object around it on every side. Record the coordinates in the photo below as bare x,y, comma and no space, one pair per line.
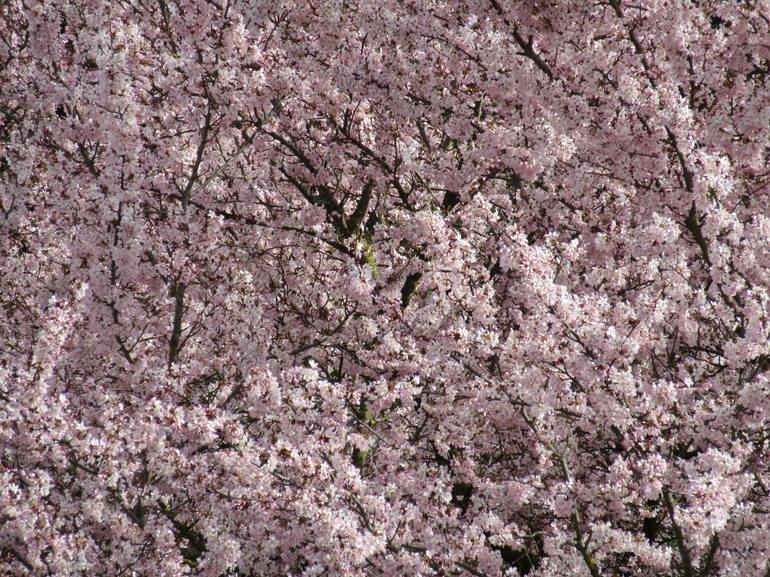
408,287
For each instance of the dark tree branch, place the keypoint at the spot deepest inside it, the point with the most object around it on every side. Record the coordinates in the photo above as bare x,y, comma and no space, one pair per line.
684,552
526,47
175,342
187,192
359,213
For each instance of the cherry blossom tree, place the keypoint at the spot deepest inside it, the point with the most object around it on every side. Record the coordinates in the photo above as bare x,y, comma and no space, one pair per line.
407,287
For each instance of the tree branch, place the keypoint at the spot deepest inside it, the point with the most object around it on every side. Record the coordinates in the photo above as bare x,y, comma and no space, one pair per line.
582,545
527,49
689,571
187,192
708,563
360,212
175,342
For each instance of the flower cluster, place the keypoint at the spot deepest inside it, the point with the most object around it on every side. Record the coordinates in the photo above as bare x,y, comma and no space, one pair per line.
362,289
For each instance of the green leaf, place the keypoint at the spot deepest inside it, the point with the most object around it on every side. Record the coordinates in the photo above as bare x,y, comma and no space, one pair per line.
360,457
